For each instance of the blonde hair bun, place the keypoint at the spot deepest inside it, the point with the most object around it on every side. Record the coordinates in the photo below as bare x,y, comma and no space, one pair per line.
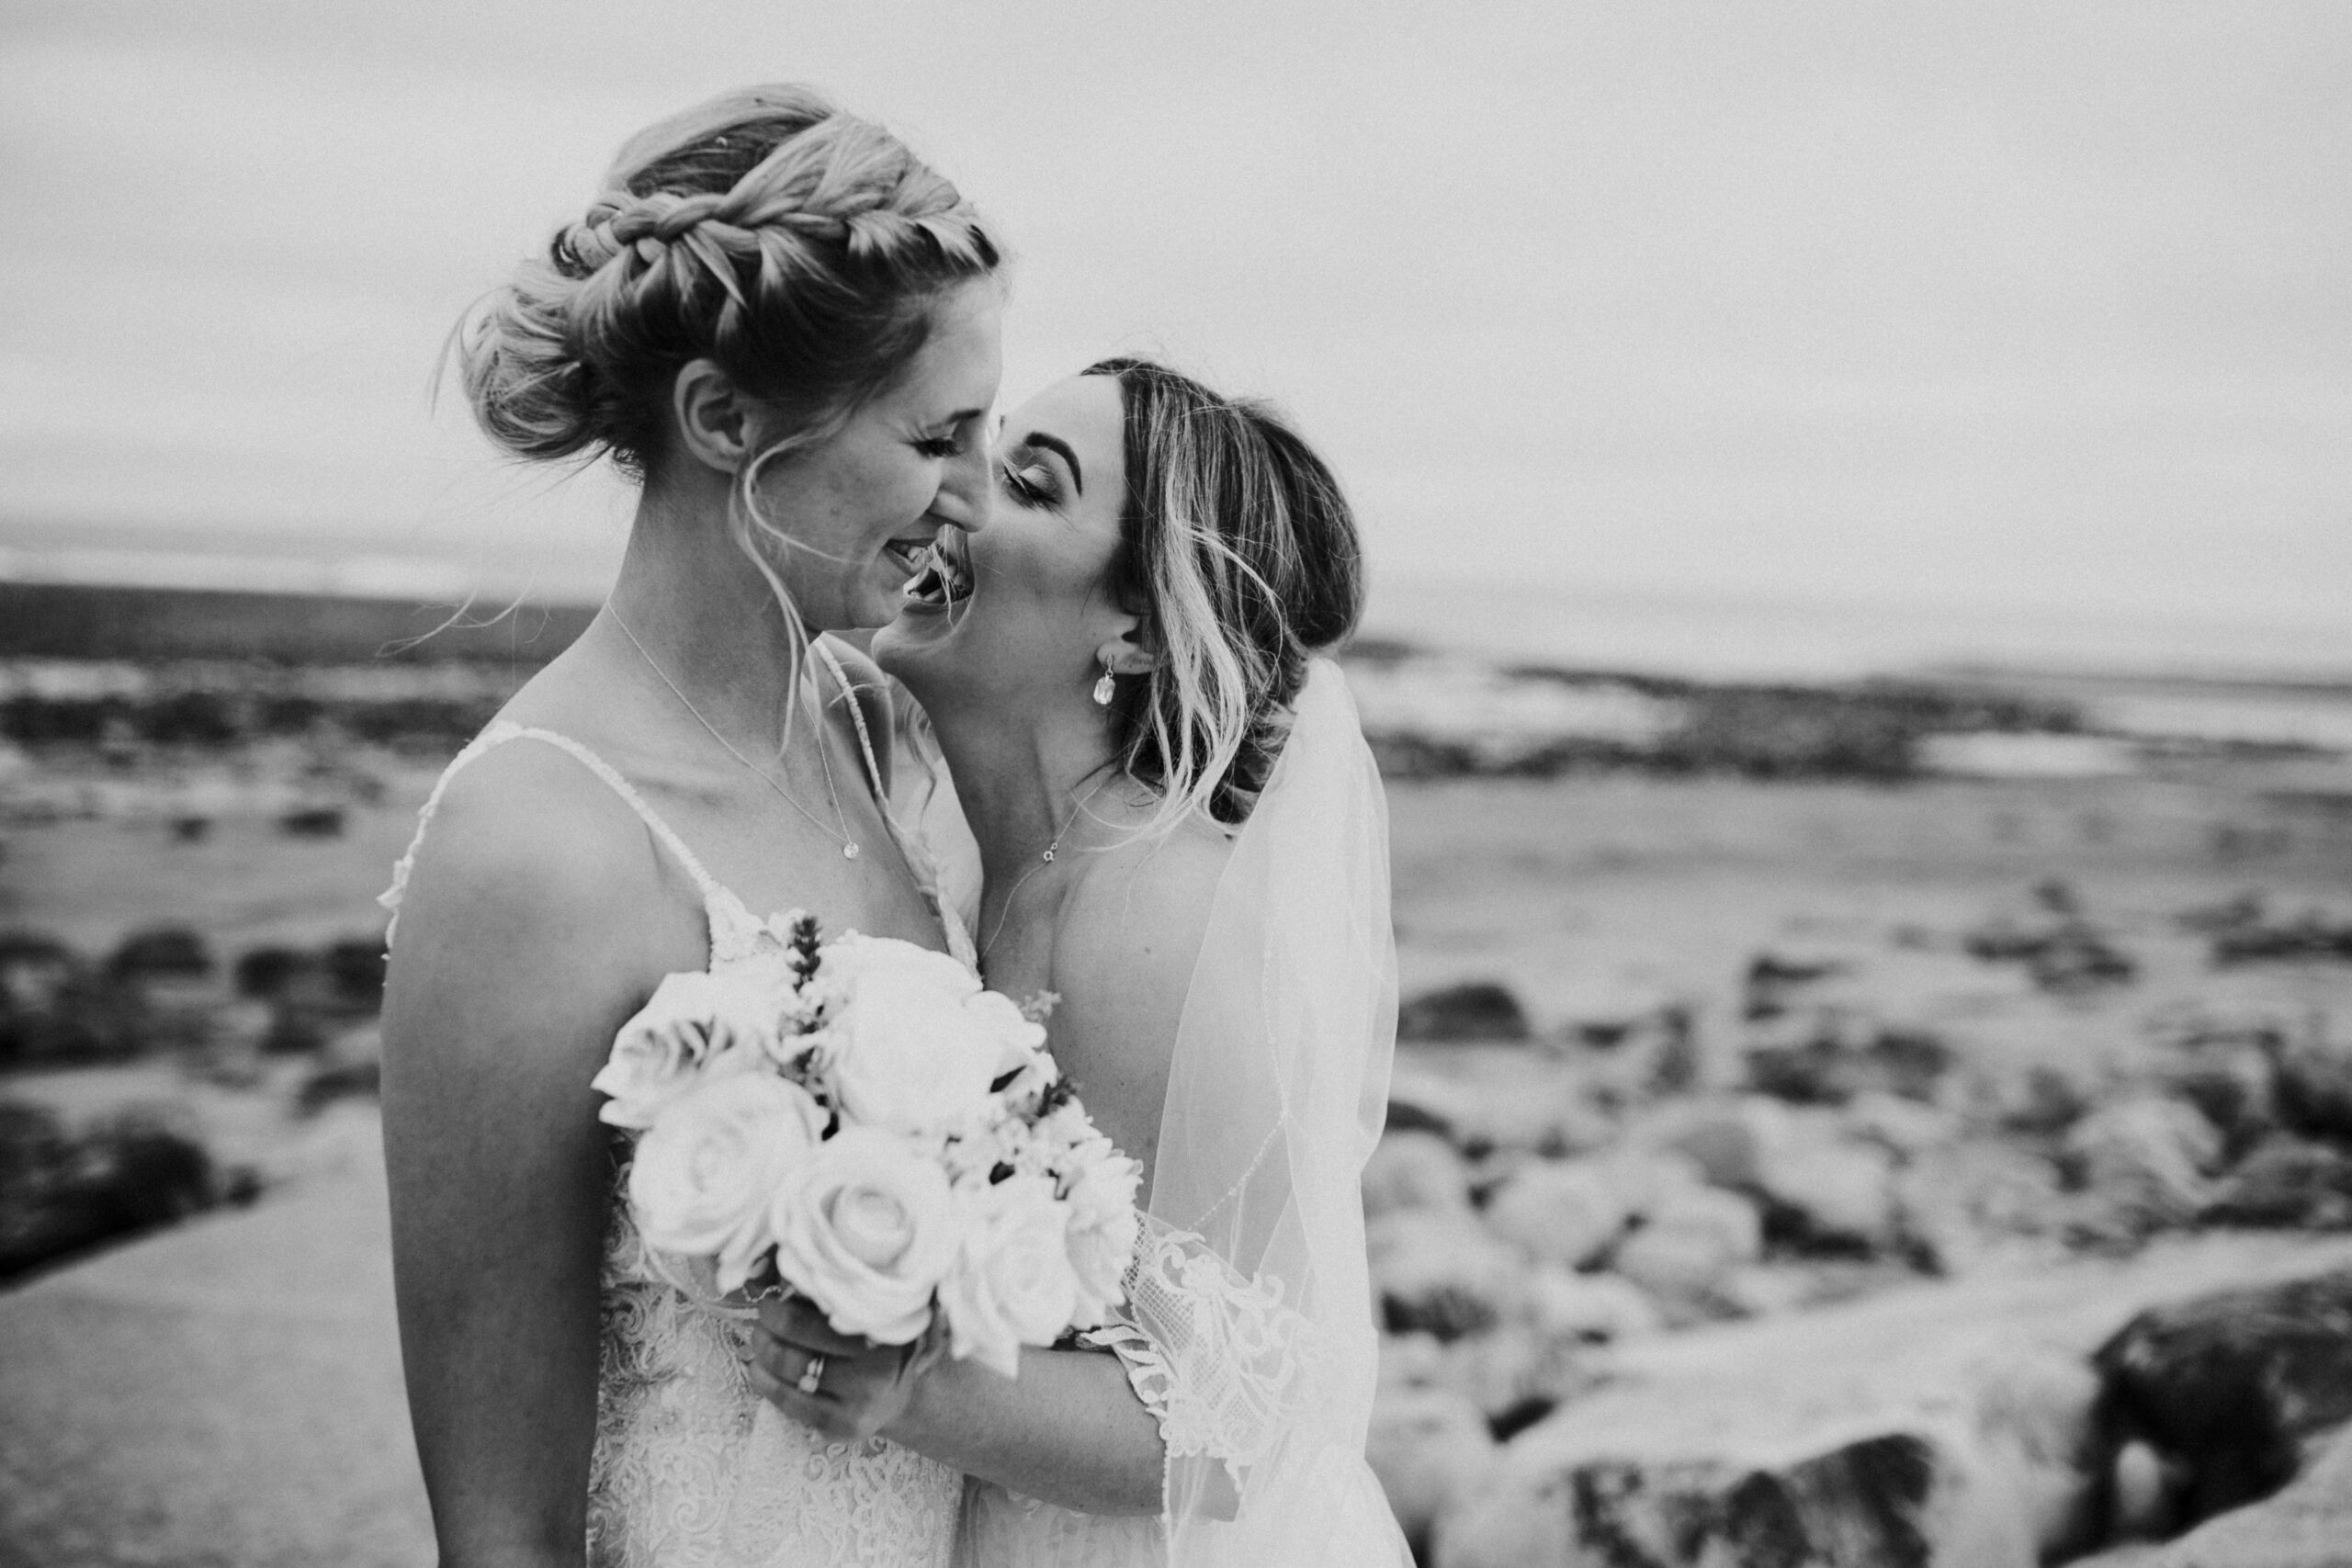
795,245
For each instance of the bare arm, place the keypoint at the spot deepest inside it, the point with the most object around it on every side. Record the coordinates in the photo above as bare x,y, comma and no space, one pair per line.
1069,1430
517,964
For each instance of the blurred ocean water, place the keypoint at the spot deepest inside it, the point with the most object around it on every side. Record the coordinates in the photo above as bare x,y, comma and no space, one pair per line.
1765,637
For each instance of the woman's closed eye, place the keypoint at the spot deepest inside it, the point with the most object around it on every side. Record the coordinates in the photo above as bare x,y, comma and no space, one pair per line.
1031,485
939,447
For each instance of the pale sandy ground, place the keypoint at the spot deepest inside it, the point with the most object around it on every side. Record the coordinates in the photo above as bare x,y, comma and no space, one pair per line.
228,1393
1593,895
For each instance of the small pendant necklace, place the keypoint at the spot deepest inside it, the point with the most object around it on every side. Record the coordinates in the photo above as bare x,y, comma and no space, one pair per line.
849,845
1004,911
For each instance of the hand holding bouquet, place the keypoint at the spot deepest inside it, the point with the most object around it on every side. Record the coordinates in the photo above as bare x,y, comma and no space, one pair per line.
864,1123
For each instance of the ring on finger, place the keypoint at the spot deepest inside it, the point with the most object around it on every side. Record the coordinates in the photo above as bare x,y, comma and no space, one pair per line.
812,1375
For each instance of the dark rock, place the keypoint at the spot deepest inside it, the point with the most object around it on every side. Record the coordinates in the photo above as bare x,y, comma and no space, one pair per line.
339,1080
1829,1065
63,1192
2243,932
53,1009
2228,1388
2234,1086
356,965
1519,1414
1992,1370
1475,1010
1888,1501
1771,980
2286,1182
2061,949
2305,1526
1820,1188
2314,1087
160,952
1412,1116
265,972
312,822
1441,1274
2042,1101
1636,1055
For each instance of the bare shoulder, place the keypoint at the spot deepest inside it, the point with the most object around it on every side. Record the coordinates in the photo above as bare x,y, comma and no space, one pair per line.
1124,951
537,894
524,823
1145,902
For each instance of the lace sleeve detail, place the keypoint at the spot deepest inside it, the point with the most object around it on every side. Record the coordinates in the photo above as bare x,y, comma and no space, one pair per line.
1220,1361
1147,1374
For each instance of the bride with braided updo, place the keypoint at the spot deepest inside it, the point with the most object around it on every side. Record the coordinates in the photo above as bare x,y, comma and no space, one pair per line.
784,326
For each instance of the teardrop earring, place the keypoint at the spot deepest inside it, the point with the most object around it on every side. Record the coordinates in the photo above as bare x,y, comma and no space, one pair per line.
1105,689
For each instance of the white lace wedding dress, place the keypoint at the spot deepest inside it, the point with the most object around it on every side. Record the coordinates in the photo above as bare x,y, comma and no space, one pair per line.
693,1469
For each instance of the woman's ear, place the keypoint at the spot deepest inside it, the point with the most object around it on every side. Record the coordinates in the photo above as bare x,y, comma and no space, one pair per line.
1133,652
713,416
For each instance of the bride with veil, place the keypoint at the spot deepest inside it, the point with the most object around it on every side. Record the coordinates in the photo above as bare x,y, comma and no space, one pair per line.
1185,841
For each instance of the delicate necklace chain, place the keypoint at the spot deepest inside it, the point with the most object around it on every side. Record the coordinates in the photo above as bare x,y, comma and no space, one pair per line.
849,845
1004,911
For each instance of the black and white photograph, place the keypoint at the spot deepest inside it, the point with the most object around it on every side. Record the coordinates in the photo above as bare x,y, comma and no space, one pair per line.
1282,785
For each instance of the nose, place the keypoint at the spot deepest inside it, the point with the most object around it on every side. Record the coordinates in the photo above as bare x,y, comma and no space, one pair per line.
965,491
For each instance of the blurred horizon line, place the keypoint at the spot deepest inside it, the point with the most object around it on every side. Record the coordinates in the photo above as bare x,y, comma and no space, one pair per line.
1704,633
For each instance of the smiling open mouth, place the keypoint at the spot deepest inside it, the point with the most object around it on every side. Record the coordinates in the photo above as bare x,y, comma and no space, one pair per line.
944,577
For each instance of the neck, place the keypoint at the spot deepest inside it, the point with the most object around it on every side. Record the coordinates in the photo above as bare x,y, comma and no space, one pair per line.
704,619
1020,775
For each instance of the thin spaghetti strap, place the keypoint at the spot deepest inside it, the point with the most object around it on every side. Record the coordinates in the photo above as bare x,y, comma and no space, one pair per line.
857,718
704,882
498,734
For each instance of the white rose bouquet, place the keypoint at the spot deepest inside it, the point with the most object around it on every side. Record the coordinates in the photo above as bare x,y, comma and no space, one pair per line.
861,1122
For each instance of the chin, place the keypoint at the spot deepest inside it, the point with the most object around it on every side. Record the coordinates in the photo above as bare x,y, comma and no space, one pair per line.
900,649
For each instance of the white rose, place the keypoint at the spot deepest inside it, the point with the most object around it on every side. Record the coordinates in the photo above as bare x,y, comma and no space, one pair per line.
1103,1228
705,1173
1012,1284
866,1229
912,1041
689,1021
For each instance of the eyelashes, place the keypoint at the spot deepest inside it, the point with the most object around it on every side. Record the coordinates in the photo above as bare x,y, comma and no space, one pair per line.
1026,490
938,446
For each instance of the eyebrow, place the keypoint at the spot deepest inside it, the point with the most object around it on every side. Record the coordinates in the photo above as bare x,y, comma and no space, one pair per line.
1056,443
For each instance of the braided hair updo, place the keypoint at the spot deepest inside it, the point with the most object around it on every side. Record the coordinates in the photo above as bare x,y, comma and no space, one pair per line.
1240,552
798,247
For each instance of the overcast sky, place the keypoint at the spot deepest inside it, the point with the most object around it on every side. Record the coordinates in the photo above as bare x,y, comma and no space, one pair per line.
1978,304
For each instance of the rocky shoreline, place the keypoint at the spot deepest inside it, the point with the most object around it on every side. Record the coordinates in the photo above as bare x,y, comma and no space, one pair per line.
1788,1133
2014,1261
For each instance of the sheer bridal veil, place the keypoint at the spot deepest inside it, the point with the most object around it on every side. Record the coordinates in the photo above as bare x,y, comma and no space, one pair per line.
1251,1281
